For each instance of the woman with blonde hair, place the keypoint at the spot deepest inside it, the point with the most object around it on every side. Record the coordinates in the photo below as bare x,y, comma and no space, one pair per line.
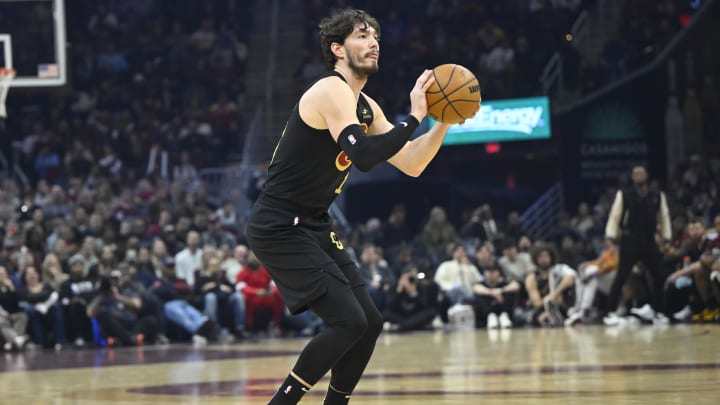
52,271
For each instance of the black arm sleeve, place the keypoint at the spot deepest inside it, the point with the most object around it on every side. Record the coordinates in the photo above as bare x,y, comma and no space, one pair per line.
367,151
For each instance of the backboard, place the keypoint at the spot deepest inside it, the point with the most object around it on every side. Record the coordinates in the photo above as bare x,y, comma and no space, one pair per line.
32,41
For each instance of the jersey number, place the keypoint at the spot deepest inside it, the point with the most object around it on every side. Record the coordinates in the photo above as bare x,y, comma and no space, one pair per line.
336,241
340,187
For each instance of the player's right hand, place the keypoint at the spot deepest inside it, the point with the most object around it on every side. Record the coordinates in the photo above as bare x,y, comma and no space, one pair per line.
418,100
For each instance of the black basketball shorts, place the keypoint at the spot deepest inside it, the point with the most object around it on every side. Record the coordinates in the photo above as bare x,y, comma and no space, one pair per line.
300,253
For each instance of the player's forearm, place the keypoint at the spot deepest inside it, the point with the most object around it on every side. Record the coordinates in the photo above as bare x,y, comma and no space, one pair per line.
419,152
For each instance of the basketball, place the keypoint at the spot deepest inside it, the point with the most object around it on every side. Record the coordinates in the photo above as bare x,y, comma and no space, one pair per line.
454,96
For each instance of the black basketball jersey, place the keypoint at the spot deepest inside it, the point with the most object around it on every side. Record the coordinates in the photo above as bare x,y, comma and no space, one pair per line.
308,169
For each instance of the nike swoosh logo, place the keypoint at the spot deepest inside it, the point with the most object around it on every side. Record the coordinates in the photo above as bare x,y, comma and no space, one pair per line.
404,124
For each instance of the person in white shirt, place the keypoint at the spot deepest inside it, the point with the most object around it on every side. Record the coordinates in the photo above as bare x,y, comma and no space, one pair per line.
226,215
456,277
233,264
515,265
188,260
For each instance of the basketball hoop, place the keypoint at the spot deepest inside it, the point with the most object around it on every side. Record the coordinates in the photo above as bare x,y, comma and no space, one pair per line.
6,76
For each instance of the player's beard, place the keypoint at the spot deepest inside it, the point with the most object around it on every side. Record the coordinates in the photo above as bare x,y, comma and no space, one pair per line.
362,69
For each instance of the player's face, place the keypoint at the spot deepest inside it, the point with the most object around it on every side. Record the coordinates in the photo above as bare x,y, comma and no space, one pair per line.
363,50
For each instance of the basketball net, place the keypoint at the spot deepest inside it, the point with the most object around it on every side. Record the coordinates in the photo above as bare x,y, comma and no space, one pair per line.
6,76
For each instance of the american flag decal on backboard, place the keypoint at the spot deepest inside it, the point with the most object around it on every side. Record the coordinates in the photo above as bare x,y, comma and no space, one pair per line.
48,70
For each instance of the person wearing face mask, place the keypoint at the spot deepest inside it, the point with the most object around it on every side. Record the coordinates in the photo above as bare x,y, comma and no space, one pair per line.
634,219
260,292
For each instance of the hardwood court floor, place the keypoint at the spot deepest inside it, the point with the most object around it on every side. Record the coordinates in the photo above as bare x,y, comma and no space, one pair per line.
674,365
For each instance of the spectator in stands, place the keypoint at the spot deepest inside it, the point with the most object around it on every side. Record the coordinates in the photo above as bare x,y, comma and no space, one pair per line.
413,305
378,276
47,163
107,261
87,252
564,228
8,203
13,321
691,284
175,293
456,277
221,302
550,287
215,235
485,254
186,173
481,225
260,292
583,221
75,294
594,275
227,216
495,299
52,271
691,246
189,260
145,272
515,265
118,314
395,231
437,233
513,228
233,264
158,255
40,303
715,285
570,251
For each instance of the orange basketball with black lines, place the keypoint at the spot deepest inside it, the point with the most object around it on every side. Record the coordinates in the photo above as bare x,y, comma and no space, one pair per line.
454,96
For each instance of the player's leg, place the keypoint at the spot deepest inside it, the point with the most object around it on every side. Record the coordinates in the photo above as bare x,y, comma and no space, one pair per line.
345,323
347,371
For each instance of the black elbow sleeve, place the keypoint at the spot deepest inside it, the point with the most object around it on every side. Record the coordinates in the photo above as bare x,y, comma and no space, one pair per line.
367,151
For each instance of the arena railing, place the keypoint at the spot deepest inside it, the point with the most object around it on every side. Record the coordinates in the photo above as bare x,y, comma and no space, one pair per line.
540,218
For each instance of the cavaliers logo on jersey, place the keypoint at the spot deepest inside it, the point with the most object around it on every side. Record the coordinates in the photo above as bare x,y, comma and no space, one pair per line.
342,162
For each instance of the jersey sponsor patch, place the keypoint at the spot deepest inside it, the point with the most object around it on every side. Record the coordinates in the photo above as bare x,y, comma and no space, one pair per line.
342,162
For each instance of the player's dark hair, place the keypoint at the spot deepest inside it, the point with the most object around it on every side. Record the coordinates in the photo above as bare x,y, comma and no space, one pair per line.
338,26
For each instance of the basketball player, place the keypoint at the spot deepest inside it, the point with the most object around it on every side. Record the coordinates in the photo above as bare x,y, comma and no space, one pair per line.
332,126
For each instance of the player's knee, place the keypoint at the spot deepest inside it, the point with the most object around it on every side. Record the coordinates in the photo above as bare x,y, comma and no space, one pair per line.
375,323
355,326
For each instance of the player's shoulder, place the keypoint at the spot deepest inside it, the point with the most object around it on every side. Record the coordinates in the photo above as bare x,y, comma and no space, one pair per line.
369,99
328,86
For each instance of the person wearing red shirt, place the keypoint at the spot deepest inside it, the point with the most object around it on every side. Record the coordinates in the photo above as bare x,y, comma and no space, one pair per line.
254,282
